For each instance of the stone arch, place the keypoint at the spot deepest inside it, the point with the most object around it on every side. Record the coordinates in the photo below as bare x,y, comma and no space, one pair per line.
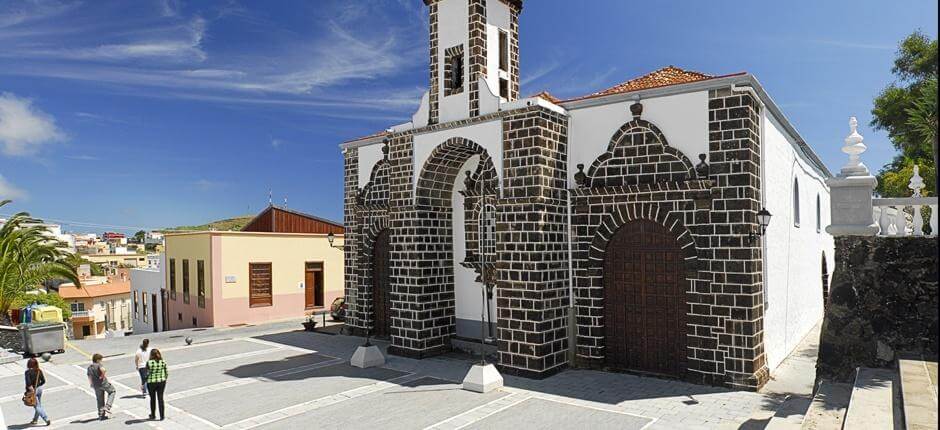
376,191
365,306
435,182
638,153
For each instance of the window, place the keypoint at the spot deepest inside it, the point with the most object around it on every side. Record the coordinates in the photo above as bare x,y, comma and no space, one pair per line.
503,50
818,215
201,283
504,88
144,300
453,70
487,232
172,279
796,202
259,284
78,307
136,313
186,281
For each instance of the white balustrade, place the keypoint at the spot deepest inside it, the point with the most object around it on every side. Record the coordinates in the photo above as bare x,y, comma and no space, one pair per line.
904,216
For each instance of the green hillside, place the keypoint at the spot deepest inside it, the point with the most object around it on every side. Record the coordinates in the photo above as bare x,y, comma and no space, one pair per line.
228,224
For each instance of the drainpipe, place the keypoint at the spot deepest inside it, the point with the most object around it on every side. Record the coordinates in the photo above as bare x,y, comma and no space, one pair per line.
572,317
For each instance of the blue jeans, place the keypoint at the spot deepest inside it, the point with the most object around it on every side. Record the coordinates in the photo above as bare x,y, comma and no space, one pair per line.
40,412
144,372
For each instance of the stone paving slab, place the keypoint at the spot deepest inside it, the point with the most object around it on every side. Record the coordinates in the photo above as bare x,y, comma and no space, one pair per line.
14,385
246,367
177,354
536,413
229,406
415,404
58,404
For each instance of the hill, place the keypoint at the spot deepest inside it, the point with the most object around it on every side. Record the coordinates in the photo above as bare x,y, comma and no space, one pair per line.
228,224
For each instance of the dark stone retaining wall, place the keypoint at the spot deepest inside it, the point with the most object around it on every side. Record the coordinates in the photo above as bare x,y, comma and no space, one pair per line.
10,339
883,301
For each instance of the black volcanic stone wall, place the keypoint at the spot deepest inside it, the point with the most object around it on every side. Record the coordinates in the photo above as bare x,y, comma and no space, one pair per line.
882,302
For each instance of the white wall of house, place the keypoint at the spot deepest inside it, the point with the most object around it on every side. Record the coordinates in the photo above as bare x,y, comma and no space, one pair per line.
452,16
497,17
145,283
488,134
683,119
793,254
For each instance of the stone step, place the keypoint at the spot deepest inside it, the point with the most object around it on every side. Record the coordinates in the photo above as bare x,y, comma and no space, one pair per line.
919,393
827,411
789,415
873,404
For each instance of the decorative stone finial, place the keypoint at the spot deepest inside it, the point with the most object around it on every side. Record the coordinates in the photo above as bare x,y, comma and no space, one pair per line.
701,169
468,182
917,183
636,109
580,178
854,148
385,149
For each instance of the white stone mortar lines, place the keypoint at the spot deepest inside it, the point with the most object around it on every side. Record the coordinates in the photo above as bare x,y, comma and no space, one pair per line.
321,402
203,362
283,346
176,410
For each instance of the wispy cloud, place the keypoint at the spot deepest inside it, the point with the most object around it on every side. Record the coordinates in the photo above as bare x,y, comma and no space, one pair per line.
82,157
276,143
24,128
539,72
855,45
9,191
16,13
208,185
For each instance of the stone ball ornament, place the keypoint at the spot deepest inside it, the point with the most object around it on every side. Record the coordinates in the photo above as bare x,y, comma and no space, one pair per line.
46,356
189,340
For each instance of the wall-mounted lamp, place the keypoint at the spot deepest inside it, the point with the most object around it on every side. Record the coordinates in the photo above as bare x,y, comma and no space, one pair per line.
330,238
763,219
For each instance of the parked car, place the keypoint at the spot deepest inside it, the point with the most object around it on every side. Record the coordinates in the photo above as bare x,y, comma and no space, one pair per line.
338,309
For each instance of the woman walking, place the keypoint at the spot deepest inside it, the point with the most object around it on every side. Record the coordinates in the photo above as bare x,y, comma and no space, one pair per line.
156,381
97,377
34,382
140,359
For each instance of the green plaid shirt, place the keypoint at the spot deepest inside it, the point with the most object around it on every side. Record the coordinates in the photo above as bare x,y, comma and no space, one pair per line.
156,371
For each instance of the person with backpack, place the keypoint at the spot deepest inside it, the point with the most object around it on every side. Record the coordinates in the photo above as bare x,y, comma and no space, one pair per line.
33,397
140,359
156,381
97,377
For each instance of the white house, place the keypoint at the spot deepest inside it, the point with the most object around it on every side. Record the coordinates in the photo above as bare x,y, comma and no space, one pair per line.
620,230
147,296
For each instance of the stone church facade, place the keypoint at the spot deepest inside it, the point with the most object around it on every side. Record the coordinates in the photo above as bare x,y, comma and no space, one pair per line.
617,230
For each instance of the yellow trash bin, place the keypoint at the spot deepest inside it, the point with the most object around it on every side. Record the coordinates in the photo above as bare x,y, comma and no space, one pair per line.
47,313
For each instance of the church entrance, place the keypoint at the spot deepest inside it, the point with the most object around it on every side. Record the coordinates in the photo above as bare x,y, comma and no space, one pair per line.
644,300
381,299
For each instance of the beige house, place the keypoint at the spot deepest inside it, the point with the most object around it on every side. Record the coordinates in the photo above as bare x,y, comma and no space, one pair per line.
119,260
102,303
217,278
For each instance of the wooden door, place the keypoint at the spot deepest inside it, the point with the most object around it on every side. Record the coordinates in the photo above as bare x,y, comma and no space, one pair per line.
381,300
313,285
644,300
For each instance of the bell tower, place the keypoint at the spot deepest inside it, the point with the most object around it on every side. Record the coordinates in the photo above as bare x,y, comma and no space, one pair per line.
474,56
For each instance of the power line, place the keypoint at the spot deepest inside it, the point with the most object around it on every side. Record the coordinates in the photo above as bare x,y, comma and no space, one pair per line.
87,224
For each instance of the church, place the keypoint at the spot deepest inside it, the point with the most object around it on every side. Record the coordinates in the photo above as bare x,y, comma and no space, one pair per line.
672,224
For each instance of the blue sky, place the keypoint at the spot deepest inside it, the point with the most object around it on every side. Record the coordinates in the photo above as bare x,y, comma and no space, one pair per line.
157,113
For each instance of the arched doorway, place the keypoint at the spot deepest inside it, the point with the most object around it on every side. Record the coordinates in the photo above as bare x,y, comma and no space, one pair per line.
645,300
381,299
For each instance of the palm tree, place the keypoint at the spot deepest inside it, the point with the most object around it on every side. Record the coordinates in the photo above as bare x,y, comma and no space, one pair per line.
28,257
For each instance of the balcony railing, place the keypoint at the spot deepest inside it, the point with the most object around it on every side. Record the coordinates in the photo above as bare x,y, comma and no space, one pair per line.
82,314
905,216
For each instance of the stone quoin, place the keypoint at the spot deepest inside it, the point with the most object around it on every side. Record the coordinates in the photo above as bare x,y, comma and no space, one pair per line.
579,232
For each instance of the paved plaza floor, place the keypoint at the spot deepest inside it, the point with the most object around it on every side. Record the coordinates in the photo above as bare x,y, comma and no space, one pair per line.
273,376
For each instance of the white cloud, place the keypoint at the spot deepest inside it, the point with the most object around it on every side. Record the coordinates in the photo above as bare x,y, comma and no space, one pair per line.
276,143
9,191
207,185
24,129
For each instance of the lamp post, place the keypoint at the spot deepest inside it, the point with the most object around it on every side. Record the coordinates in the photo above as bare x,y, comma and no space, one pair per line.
763,220
330,238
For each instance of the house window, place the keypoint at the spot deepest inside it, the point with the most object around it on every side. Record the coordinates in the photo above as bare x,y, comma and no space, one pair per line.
136,313
796,202
818,215
144,300
172,279
453,70
201,283
78,307
186,281
503,50
504,88
487,232
259,284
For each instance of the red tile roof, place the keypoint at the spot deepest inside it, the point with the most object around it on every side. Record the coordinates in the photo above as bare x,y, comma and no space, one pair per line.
669,75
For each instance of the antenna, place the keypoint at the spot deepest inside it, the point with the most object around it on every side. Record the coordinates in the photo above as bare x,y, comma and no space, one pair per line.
270,200
285,200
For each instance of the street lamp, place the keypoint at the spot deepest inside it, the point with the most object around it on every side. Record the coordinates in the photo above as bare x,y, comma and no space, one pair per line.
763,220
330,238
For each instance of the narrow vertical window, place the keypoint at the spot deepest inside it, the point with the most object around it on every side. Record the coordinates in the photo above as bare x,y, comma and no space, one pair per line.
453,70
487,232
818,215
201,283
135,306
796,202
503,50
172,279
186,281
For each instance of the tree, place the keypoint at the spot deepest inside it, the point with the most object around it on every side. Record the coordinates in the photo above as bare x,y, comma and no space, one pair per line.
76,260
140,236
907,110
28,258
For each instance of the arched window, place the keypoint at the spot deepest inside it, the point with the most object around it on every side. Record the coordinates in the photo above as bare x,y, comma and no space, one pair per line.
796,202
818,215
487,231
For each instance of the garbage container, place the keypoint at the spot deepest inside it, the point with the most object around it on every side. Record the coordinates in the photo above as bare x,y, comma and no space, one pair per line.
47,313
43,337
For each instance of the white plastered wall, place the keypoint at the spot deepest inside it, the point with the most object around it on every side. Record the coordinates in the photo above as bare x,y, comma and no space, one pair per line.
793,255
497,17
452,22
683,119
368,156
488,134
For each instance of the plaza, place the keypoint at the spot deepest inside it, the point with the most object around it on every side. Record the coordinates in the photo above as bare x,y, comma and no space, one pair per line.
275,376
